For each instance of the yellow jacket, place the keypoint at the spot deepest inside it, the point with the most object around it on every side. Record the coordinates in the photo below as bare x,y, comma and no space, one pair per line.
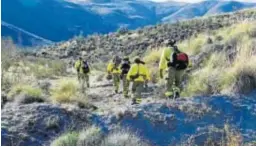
112,69
166,54
138,69
78,66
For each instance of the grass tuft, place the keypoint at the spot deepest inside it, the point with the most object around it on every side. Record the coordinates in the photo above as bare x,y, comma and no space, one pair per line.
68,139
24,89
64,92
123,138
90,137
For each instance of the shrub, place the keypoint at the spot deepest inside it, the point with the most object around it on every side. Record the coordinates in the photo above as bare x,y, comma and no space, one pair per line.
226,71
232,137
193,45
9,53
153,56
64,92
90,137
244,76
252,32
45,68
68,139
52,122
123,138
6,83
29,91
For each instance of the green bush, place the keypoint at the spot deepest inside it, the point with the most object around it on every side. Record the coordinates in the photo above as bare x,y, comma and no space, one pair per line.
68,139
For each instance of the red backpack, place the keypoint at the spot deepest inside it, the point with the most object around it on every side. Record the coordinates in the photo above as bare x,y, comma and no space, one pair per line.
182,57
182,60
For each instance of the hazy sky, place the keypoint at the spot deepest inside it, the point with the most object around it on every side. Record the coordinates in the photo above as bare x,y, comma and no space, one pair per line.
192,1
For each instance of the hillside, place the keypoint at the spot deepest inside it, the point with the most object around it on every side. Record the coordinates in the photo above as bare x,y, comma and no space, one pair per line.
49,18
217,104
100,48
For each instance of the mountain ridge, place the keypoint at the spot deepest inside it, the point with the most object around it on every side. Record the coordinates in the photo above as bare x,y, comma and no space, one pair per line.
50,18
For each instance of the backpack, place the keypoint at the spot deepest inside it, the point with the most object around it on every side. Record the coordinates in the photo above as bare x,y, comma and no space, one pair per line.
125,67
85,67
182,60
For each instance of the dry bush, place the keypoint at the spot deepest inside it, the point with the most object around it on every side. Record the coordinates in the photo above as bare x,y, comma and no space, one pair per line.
123,138
67,91
91,136
232,137
64,92
24,89
68,139
227,71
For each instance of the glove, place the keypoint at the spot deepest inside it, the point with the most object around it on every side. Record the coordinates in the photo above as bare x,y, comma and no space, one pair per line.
161,74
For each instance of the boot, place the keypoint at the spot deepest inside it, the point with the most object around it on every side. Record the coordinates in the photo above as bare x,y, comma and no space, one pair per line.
176,95
134,102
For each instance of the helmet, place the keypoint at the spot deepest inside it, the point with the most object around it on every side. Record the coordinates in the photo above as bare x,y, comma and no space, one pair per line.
137,59
170,42
126,58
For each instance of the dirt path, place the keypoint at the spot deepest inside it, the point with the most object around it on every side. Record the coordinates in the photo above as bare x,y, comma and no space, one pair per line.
101,95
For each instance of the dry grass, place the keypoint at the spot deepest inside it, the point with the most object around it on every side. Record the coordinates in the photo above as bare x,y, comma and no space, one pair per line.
90,137
46,68
232,137
25,89
193,45
93,136
225,73
68,139
123,137
67,91
64,92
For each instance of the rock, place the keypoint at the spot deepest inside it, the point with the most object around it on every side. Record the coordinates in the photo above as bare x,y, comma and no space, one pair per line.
38,124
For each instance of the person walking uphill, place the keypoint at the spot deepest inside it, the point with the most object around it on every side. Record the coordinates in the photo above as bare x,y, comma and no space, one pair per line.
113,69
83,71
138,74
125,67
175,62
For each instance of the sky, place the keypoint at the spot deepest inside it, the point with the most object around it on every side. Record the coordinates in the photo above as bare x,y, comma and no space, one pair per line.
193,1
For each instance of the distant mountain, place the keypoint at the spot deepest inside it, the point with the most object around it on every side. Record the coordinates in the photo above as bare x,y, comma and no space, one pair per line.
207,8
58,20
229,6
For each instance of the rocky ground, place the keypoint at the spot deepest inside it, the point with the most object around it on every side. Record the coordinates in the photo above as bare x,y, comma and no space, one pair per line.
187,121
